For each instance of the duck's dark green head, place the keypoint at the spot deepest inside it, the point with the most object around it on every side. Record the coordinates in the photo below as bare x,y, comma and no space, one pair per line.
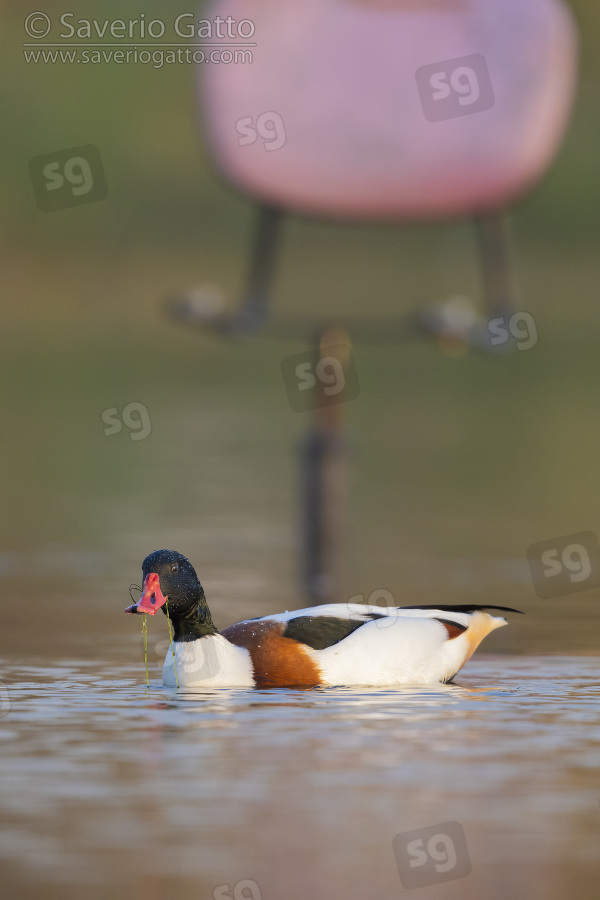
171,583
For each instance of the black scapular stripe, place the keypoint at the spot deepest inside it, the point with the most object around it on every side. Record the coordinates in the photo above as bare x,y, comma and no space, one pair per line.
466,608
320,632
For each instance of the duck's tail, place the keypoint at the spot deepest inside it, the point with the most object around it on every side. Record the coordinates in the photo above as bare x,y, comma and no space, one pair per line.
480,625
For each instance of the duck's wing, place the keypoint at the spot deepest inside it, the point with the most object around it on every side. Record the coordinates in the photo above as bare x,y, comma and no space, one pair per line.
320,627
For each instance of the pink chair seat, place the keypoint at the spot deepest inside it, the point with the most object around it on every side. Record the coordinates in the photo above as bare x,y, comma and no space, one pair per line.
391,109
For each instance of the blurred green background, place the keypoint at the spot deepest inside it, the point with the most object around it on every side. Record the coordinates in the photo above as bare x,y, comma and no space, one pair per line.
460,462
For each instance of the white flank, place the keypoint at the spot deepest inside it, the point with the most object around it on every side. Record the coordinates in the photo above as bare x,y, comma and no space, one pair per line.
209,661
403,650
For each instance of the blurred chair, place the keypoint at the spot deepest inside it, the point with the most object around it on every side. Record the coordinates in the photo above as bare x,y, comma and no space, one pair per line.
389,110
384,111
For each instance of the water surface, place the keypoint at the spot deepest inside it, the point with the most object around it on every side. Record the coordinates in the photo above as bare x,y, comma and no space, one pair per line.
110,787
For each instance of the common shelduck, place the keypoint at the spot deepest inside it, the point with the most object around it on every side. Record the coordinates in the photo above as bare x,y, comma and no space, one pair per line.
336,644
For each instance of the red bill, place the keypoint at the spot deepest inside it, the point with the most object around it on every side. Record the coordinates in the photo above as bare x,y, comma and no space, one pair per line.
152,597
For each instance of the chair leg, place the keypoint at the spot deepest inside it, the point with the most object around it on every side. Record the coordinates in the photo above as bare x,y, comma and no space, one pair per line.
254,307
496,263
324,474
